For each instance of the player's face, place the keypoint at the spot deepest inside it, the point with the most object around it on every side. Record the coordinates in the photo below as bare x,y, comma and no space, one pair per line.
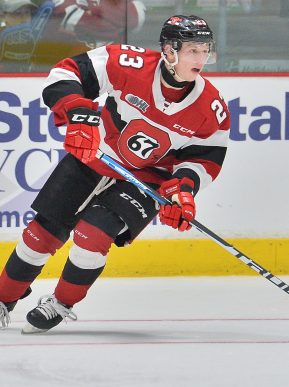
192,57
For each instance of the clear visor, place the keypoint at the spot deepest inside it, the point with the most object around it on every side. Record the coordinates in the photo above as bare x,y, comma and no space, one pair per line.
201,51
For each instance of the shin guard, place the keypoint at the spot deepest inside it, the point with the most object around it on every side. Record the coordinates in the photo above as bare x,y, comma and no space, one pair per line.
26,261
86,262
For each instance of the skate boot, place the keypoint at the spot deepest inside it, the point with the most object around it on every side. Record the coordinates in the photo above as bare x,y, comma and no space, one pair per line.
4,313
7,307
49,313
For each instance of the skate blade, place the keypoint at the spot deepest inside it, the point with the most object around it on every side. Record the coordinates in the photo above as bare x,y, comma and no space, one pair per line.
30,329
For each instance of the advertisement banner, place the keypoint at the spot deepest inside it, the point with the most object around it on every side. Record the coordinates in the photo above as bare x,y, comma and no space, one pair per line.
249,198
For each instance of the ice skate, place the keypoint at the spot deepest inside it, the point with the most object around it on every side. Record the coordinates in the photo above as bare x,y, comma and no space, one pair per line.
5,308
49,313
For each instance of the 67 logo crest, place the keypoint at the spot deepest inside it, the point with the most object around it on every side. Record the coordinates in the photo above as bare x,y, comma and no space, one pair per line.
142,144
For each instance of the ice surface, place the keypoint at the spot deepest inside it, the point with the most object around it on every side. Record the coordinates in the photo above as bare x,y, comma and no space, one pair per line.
164,332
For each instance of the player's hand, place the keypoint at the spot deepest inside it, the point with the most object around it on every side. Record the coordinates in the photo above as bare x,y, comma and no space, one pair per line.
82,134
183,208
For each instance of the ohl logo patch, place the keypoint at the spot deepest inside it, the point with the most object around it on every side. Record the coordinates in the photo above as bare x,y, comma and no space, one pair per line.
137,102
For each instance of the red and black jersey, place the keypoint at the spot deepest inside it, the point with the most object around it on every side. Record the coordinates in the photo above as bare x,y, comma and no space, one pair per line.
100,21
154,138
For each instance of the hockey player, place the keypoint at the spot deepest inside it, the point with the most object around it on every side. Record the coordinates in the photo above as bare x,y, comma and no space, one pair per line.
161,119
79,25
38,33
99,22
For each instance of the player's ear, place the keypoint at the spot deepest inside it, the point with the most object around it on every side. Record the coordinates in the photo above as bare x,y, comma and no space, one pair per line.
167,49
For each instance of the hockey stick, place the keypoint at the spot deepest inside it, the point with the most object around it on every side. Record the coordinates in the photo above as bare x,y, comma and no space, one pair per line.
221,242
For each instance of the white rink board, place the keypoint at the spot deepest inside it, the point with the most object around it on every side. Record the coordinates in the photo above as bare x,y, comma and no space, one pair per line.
249,199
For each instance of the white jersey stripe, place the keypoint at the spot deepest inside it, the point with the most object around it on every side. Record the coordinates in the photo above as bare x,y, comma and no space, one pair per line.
99,58
60,74
219,138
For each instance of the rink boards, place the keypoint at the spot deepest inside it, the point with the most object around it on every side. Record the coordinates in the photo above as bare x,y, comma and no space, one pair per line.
178,258
247,204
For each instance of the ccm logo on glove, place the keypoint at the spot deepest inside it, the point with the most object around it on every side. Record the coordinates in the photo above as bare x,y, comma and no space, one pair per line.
84,118
82,134
182,210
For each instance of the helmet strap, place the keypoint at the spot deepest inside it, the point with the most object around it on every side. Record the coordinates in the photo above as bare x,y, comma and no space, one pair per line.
176,57
169,76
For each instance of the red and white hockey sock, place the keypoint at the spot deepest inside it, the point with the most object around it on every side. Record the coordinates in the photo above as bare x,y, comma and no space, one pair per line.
86,262
26,261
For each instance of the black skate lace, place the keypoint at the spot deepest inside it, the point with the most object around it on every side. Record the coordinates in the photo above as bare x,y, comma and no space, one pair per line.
4,316
50,308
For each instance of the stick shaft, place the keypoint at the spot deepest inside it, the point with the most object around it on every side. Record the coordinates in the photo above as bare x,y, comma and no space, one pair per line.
204,230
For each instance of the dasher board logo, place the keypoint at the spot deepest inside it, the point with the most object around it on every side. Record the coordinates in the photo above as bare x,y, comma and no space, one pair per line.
137,102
